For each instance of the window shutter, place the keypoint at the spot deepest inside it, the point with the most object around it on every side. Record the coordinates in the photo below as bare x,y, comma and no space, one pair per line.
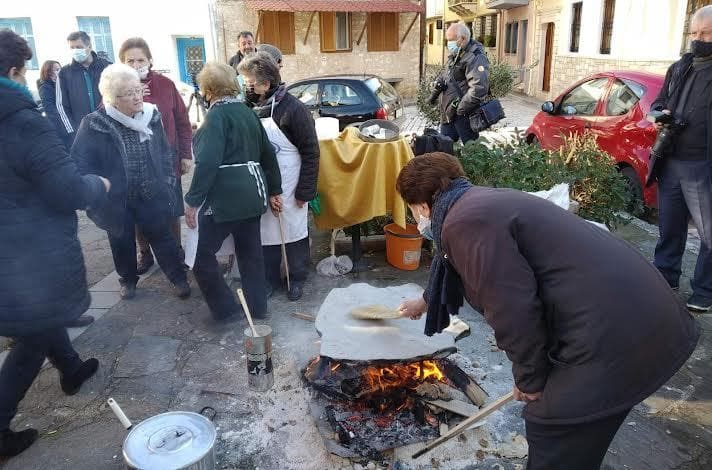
383,32
286,32
327,22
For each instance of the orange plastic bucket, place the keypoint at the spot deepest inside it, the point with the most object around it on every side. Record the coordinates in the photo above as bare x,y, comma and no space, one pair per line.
403,246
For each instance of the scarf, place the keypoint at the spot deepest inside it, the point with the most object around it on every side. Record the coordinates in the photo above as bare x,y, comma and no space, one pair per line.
13,85
275,95
139,122
444,294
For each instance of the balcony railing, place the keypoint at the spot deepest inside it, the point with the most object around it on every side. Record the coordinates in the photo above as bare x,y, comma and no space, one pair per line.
463,7
505,4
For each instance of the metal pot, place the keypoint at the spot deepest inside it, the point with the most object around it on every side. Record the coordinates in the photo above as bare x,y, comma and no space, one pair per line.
177,440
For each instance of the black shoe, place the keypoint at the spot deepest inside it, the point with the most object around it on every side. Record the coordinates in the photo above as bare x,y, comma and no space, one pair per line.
145,261
128,291
295,293
13,443
698,303
72,383
182,289
84,320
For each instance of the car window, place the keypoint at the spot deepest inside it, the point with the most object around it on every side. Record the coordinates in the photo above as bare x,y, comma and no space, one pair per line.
338,94
306,93
584,97
382,89
623,96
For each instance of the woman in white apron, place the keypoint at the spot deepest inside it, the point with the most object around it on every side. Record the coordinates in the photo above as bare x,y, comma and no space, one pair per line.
290,129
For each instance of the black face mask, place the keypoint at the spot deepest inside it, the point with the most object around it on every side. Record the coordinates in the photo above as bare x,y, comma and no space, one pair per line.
251,96
701,48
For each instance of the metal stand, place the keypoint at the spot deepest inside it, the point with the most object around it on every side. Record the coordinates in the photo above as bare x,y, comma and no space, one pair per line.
360,265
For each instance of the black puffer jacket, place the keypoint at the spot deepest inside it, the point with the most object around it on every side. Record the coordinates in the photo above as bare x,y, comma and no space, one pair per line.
467,79
42,275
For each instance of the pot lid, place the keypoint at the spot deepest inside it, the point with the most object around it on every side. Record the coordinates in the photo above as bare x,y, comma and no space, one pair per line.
170,440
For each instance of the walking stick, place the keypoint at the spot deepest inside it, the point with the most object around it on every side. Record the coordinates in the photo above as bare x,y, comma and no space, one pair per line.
284,250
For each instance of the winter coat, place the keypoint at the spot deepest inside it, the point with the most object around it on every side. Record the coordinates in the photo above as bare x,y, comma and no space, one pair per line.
77,87
297,124
467,79
47,92
230,137
42,276
582,315
99,149
164,94
235,60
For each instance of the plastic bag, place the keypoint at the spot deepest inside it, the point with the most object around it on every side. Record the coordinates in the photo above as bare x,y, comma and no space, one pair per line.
334,266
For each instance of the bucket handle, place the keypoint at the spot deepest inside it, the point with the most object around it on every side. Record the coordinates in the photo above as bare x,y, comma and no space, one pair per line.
212,415
404,235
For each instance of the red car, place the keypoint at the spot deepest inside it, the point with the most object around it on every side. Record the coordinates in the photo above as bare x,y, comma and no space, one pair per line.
613,106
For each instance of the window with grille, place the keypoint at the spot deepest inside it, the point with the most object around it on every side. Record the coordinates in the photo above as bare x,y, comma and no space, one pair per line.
278,30
99,30
492,31
508,38
23,27
335,31
607,26
383,32
575,26
483,29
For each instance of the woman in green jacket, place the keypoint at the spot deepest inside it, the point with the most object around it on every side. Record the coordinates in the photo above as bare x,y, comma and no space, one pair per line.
236,178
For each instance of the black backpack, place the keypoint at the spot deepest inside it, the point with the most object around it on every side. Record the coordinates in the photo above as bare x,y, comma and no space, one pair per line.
433,141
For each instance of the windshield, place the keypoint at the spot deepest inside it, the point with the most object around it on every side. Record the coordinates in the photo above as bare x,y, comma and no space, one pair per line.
384,91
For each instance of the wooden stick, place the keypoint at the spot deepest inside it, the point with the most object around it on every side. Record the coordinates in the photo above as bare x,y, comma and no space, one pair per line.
284,249
486,411
410,27
360,36
247,312
303,316
311,20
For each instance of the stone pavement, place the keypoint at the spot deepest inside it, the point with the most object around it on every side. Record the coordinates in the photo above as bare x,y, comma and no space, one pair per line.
159,353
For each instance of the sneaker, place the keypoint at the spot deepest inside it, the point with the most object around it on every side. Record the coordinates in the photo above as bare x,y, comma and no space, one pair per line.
698,303
13,443
84,320
128,291
295,293
182,289
72,383
145,261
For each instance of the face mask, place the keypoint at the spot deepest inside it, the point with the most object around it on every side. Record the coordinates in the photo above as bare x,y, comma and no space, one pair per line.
142,72
452,47
701,48
79,55
424,227
251,96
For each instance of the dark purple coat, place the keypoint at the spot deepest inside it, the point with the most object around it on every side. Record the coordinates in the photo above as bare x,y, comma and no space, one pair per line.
582,315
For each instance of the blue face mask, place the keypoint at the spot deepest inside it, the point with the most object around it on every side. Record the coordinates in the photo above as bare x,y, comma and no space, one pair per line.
453,47
80,55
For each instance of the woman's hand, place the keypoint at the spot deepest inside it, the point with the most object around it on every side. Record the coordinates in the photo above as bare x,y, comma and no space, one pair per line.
525,397
190,216
413,308
275,202
185,166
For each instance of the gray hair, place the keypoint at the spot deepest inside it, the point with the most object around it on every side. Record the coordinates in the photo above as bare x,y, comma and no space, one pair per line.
113,78
262,66
272,51
703,13
462,31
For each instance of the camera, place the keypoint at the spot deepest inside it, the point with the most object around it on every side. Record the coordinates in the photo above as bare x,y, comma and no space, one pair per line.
438,87
671,127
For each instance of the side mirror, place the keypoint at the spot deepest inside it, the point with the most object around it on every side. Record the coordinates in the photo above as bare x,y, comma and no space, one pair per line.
548,107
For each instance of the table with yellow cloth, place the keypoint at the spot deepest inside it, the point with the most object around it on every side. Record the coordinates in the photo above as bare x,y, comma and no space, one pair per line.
357,180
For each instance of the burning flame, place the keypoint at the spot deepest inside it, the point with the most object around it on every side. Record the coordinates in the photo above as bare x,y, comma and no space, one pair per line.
401,375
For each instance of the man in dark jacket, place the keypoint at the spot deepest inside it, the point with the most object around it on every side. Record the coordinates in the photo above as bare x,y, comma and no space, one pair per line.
245,47
464,83
684,176
591,327
42,276
78,83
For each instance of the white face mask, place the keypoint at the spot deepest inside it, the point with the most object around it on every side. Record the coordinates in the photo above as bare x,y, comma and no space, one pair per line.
142,72
80,55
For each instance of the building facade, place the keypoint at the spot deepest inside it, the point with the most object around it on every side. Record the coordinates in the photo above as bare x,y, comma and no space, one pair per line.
434,33
326,37
180,33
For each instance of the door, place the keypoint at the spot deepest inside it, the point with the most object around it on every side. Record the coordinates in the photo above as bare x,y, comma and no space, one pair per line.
576,112
548,56
191,57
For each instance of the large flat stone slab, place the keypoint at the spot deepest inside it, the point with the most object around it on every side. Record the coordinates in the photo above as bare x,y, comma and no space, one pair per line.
347,338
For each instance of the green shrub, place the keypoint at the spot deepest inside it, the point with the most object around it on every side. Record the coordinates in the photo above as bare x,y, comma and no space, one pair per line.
430,112
593,179
501,78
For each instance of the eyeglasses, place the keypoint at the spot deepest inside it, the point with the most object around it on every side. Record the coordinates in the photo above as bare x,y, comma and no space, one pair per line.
131,93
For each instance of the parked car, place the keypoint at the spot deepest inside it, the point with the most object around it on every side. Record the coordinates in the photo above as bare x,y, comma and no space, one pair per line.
349,98
613,106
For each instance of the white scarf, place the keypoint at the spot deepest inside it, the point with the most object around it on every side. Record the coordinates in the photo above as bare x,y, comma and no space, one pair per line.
139,122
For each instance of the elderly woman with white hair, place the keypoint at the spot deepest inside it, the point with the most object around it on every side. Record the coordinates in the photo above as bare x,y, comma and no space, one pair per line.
125,142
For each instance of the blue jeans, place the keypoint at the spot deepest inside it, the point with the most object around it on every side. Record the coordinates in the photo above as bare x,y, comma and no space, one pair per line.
459,130
685,192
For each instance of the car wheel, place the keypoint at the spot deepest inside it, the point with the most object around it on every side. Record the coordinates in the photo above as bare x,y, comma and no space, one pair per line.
635,187
533,141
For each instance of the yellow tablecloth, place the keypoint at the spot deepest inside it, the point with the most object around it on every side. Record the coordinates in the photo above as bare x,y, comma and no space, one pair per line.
357,180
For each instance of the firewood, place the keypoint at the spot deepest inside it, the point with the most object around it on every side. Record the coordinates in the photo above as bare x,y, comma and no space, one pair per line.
465,383
303,316
458,407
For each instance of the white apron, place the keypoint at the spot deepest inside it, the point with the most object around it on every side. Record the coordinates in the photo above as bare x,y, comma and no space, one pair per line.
294,219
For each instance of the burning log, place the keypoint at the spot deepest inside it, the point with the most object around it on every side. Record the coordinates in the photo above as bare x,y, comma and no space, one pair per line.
464,382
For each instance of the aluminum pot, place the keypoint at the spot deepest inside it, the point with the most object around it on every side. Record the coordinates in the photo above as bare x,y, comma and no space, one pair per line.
177,440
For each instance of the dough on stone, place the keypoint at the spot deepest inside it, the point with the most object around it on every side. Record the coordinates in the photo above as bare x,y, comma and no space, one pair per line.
375,312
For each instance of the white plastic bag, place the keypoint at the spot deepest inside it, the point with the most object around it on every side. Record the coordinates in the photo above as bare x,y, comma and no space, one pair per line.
334,266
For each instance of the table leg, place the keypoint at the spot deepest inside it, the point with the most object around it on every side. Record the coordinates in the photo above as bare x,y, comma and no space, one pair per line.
360,265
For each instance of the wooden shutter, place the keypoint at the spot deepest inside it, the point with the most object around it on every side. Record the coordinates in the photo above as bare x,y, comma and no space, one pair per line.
431,32
278,30
327,23
383,32
607,26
